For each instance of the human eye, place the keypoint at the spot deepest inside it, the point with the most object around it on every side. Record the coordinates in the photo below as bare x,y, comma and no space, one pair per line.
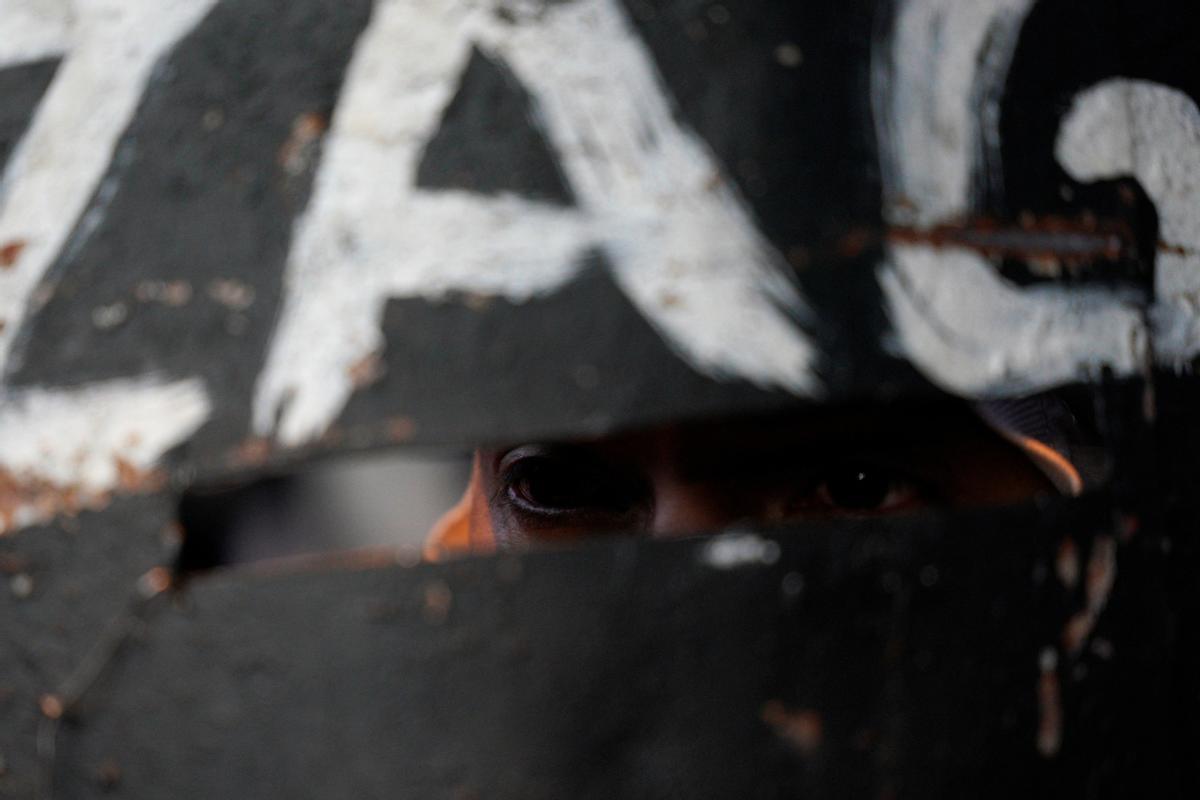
562,491
864,488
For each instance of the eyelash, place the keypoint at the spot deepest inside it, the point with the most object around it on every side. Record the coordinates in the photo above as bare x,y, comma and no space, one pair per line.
518,467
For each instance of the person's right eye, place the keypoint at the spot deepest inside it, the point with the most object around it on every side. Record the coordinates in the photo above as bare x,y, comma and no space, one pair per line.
568,489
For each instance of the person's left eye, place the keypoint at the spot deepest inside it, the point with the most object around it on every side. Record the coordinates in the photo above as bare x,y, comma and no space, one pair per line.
866,489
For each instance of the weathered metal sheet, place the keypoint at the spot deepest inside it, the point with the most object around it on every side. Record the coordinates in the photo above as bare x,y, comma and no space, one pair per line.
856,162
937,657
67,588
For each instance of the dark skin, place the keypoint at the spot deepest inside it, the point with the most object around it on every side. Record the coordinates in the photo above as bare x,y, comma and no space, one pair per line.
685,479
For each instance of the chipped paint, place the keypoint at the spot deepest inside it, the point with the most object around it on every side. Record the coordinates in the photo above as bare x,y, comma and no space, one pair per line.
66,450
661,212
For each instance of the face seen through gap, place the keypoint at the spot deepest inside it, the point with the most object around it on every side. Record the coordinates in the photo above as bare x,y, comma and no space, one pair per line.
685,479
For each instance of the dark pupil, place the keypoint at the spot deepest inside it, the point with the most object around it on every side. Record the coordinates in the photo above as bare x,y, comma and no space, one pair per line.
858,489
559,484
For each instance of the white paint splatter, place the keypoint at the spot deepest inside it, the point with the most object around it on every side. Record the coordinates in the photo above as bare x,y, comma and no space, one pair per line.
682,244
1123,127
81,439
734,550
111,47
937,86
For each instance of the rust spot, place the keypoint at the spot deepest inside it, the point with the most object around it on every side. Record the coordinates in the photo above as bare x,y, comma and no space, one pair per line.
366,370
233,294
299,150
169,293
477,301
1050,721
25,500
1066,563
855,242
29,499
13,564
437,601
252,452
400,429
172,534
1076,631
10,252
51,706
803,729
154,581
1069,242
1101,573
131,479
108,774
668,300
1173,249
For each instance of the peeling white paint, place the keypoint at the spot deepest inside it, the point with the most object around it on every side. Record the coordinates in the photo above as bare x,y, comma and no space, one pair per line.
1123,127
111,47
81,439
937,85
681,241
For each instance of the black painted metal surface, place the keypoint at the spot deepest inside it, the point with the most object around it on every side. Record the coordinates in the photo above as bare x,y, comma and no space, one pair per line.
907,659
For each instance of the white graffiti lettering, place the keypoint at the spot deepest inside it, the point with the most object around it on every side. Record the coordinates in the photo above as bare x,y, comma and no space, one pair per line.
680,240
